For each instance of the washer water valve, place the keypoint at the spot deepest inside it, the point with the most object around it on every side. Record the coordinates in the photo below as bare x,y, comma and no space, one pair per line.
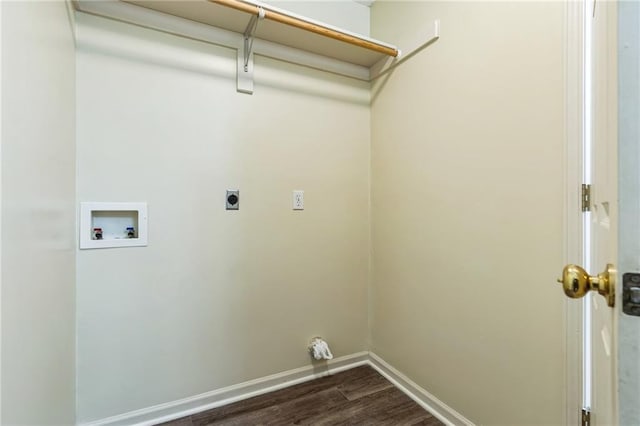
319,349
131,232
97,233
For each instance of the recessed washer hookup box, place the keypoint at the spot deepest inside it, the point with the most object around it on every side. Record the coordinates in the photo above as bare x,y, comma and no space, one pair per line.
107,225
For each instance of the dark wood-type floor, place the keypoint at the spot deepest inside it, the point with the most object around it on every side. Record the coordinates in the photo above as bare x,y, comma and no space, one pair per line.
359,396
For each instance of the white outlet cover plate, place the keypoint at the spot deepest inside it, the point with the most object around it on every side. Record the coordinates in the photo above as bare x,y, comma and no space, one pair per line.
298,200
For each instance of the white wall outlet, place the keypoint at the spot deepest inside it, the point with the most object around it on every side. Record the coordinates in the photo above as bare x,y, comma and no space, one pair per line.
298,200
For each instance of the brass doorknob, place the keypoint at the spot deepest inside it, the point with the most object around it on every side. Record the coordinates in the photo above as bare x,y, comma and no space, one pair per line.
576,282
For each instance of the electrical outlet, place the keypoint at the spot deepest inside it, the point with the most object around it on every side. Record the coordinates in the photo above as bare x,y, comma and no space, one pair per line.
233,199
298,200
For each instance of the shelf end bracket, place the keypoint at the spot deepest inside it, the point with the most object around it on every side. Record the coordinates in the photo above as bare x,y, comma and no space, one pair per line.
385,65
245,55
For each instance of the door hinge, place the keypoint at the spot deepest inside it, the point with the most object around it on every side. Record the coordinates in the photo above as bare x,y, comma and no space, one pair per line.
586,197
586,417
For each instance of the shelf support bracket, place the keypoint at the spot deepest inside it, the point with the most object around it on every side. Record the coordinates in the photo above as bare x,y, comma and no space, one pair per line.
245,55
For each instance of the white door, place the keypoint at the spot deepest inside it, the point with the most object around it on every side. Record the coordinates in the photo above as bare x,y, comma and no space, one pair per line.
602,219
594,31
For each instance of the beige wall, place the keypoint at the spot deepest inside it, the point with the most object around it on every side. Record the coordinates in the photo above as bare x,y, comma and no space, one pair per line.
467,146
218,297
38,214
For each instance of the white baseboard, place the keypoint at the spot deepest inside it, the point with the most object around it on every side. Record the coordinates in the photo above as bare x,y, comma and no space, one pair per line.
439,409
217,398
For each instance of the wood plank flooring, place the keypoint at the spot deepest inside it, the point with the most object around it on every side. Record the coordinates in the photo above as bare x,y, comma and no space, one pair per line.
360,396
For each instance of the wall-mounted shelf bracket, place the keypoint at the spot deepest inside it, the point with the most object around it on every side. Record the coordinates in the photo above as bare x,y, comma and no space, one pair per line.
245,54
